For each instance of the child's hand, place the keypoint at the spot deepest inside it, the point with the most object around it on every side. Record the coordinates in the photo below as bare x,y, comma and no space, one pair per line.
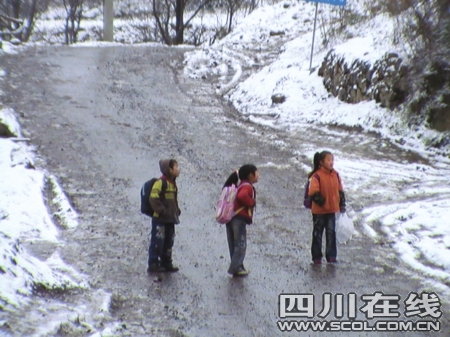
318,199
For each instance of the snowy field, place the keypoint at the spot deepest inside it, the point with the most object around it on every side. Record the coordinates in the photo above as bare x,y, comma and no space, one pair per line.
411,201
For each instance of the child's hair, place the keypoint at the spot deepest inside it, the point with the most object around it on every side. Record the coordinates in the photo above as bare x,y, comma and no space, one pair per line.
318,157
244,172
172,163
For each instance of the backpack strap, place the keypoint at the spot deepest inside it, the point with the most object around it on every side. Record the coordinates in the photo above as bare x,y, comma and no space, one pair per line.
163,188
237,190
339,178
240,209
162,194
316,175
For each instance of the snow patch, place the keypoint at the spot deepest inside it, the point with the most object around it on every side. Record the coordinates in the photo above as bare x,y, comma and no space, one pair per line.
8,118
65,214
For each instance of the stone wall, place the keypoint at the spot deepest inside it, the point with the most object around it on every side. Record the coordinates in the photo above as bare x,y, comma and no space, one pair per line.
385,81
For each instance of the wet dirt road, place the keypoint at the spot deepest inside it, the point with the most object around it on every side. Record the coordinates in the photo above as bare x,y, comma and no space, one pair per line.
100,119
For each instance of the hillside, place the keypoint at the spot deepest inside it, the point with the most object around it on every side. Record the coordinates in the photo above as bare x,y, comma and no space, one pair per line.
361,50
392,52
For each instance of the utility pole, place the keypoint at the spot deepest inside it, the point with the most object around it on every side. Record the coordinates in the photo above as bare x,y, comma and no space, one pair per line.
108,20
331,2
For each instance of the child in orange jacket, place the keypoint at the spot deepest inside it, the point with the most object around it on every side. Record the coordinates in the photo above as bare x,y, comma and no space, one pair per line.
327,198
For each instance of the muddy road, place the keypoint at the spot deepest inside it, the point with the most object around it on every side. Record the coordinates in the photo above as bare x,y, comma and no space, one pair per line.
101,118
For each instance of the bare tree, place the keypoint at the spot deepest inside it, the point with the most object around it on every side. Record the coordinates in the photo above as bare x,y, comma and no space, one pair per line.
425,26
74,11
232,7
165,10
10,27
162,10
419,21
31,15
251,5
17,18
15,7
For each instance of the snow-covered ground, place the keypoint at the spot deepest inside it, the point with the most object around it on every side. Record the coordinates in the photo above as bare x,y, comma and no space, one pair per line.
25,221
24,218
33,212
410,202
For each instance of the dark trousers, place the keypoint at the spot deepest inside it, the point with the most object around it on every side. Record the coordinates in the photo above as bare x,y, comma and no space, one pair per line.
321,222
161,243
237,243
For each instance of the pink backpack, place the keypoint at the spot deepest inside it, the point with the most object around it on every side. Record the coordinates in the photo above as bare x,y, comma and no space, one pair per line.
225,205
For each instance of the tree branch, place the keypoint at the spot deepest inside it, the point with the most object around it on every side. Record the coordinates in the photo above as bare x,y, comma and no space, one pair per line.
8,18
159,23
197,10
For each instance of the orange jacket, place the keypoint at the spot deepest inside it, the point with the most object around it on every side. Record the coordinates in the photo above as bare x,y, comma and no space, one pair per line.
329,186
245,201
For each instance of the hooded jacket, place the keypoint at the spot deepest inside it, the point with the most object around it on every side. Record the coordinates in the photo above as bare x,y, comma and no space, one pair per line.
165,206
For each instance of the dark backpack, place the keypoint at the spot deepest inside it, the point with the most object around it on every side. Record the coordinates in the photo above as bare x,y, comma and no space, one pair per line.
146,189
306,198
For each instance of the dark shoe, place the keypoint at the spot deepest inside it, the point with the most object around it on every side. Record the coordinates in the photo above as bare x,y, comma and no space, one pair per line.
170,268
317,261
332,260
154,268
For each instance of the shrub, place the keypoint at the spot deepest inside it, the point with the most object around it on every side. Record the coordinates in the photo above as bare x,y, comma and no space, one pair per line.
424,26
